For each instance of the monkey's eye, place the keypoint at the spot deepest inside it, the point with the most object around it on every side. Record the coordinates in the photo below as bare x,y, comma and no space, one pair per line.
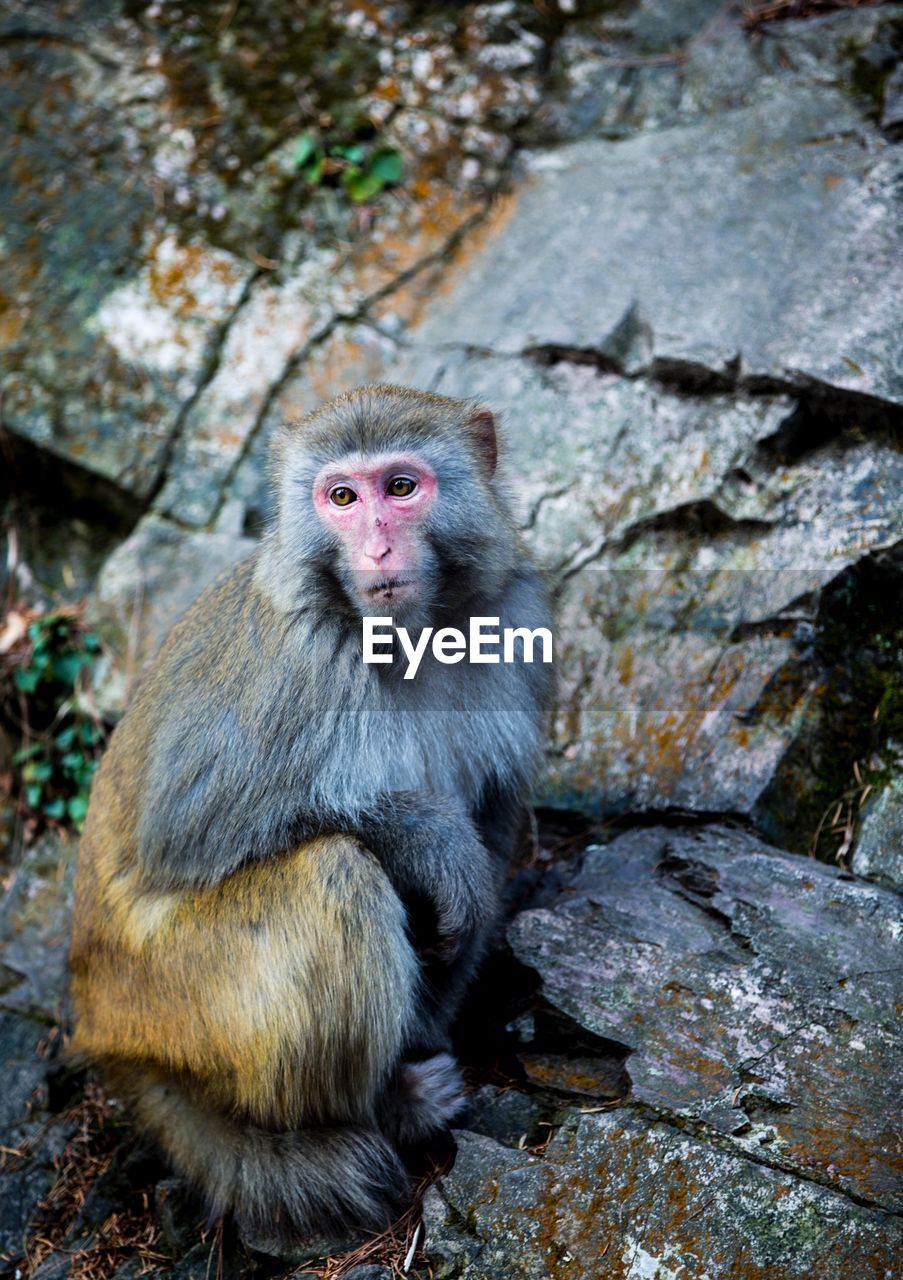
401,487
342,496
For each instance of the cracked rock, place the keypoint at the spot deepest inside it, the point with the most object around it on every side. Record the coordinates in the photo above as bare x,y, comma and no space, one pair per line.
879,849
691,560
618,1195
767,234
755,989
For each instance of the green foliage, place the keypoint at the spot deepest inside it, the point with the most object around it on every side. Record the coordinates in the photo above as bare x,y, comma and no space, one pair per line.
47,676
364,168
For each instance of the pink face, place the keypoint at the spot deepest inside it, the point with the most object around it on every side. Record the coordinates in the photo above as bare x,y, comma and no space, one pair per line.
376,504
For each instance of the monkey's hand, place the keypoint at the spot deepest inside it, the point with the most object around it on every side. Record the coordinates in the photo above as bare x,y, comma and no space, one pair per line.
431,852
465,897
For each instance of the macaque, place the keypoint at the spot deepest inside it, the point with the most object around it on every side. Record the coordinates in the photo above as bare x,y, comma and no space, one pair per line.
292,861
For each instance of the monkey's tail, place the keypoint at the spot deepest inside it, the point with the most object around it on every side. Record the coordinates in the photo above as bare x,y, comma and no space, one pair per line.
301,1183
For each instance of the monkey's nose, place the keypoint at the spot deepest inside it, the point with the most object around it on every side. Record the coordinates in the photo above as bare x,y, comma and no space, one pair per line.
377,552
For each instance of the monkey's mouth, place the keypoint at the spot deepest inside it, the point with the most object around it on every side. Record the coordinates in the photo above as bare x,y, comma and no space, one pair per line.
391,588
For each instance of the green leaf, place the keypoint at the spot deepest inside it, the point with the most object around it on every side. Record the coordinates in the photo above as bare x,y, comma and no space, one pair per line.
82,773
91,642
388,165
355,153
26,753
313,171
65,738
305,148
37,771
362,185
89,733
27,679
73,760
33,795
55,808
66,666
77,807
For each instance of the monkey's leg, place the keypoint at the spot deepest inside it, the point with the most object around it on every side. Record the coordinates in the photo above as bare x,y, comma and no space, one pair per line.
262,1020
427,1089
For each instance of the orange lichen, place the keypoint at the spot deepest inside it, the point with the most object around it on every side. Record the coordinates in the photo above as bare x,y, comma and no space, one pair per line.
176,277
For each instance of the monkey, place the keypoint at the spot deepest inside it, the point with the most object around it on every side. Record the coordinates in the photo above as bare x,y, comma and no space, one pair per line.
293,862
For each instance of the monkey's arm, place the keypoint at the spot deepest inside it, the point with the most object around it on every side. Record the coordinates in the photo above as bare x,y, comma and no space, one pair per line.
216,798
431,851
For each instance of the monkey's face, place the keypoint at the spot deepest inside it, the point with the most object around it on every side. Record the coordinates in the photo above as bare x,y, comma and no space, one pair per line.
375,506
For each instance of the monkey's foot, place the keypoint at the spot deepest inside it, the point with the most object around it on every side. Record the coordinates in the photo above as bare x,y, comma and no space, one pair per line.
426,1096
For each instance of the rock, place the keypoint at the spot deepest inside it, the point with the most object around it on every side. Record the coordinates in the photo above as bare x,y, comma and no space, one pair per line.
704,229
130,1270
67,386
449,1250
268,333
20,1190
879,849
54,1267
696,540
506,1115
754,991
684,468
691,333
621,1195
34,929
166,260
314,1249
25,1178
178,1213
617,71
142,591
197,1263
611,76
24,1071
573,1074
892,111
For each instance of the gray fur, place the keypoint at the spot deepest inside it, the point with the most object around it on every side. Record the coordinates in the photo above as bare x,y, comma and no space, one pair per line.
428,1094
294,734
273,1182
268,728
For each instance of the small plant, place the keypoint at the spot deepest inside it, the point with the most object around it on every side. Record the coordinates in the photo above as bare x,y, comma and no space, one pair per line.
364,169
46,663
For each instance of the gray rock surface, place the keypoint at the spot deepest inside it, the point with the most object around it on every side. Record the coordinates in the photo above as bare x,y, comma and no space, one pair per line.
32,1144
755,991
34,930
143,590
701,395
879,849
655,65
765,237
754,995
164,261
691,561
621,1196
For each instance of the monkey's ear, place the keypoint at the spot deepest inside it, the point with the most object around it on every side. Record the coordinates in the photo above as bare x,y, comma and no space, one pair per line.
481,428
